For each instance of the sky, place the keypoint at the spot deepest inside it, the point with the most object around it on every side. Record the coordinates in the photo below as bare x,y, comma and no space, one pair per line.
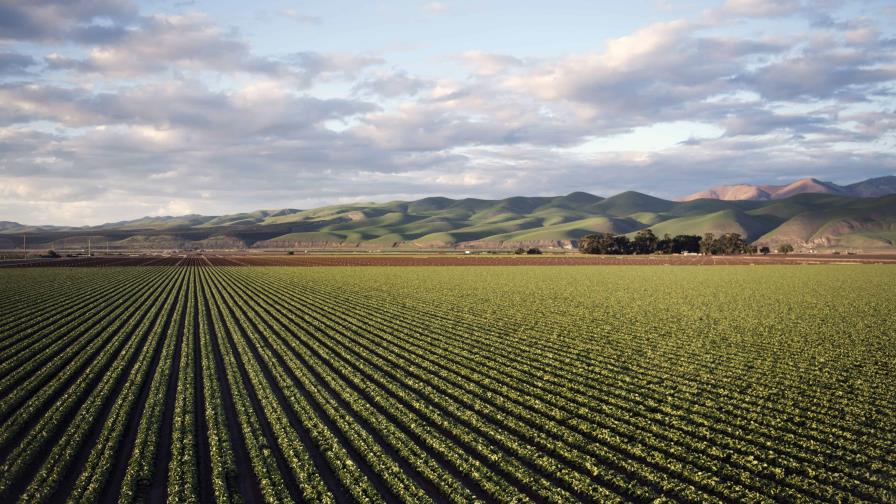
114,109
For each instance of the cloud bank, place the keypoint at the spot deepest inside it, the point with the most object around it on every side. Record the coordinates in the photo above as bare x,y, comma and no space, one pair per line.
110,111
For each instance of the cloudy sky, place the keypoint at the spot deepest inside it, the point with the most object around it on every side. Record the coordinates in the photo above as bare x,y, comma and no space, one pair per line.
112,109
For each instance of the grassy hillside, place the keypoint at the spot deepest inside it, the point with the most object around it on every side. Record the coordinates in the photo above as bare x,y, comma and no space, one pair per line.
724,221
803,220
570,230
860,222
630,202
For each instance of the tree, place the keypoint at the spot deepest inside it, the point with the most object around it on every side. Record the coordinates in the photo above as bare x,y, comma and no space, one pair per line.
728,243
665,244
708,244
785,248
645,242
686,243
588,244
519,251
621,245
764,250
597,243
731,243
604,243
534,251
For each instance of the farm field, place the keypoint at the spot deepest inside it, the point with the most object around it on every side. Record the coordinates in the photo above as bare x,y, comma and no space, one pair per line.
533,383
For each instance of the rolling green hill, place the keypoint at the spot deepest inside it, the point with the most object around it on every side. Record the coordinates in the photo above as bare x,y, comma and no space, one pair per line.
723,221
865,222
805,220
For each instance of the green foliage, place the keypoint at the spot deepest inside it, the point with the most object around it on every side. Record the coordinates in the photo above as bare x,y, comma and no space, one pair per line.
644,242
436,222
717,222
605,243
456,384
727,244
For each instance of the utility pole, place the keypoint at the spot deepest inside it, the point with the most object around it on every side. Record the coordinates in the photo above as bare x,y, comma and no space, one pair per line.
25,245
88,248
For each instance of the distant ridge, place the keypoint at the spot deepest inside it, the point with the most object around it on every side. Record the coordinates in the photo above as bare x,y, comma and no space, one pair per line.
806,213
874,187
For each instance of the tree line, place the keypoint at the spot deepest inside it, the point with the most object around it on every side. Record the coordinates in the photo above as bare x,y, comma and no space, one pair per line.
645,242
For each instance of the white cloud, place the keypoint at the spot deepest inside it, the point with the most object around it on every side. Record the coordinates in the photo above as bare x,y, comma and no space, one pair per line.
174,207
435,7
390,85
299,17
132,113
488,64
192,43
70,20
760,8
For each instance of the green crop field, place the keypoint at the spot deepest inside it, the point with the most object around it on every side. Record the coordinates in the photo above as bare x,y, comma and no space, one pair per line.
460,384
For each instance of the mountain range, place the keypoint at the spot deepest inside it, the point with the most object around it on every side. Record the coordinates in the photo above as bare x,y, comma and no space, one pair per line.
880,186
832,216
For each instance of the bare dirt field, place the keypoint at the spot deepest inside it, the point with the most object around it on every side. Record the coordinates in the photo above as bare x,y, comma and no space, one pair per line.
312,260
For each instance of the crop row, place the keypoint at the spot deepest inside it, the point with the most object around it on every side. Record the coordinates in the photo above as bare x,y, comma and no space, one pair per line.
436,385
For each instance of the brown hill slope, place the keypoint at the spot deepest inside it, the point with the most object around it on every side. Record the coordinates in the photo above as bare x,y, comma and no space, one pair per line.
875,187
